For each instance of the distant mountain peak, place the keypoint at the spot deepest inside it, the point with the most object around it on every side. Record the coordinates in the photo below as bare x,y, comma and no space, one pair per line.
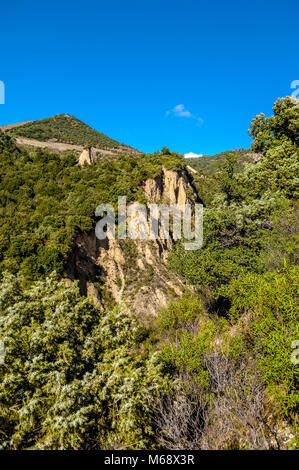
67,129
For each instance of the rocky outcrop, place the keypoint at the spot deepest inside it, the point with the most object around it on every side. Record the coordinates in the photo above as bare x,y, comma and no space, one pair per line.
153,189
93,154
85,157
172,187
254,157
132,273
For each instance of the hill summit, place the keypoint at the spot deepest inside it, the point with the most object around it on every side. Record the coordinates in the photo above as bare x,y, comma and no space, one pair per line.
66,129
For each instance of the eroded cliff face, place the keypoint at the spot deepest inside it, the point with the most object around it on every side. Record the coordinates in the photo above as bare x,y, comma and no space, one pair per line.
132,273
171,187
85,157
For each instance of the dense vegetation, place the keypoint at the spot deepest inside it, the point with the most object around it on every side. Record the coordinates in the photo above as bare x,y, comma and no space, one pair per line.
251,221
247,273
67,129
210,164
214,371
46,199
208,168
71,372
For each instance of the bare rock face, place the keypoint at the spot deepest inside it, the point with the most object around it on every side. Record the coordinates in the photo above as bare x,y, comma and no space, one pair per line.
171,186
153,189
254,157
132,273
85,157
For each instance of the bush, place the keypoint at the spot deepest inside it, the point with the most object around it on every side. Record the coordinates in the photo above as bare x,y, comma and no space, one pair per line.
71,379
269,303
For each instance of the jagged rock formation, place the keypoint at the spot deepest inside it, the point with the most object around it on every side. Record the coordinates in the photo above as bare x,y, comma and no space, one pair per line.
153,189
85,157
172,187
132,273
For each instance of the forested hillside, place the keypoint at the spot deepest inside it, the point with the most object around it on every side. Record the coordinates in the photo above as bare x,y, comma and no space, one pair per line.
47,199
215,369
66,129
207,169
210,164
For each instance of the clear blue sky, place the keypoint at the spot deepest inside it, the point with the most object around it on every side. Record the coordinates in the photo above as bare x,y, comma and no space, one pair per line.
123,67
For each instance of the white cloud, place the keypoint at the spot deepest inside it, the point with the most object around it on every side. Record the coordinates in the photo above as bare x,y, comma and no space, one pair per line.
192,155
180,111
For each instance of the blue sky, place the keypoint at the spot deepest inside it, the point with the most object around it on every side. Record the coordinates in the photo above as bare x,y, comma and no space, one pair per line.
189,75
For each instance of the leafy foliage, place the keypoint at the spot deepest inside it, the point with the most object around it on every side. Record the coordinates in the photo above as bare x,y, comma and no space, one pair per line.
72,376
248,266
246,212
47,198
270,304
278,129
208,169
187,334
209,165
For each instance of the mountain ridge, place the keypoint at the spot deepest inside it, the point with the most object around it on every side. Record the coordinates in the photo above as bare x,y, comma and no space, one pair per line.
66,129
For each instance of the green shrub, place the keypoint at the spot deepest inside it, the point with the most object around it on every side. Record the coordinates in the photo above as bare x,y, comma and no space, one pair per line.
71,378
270,305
